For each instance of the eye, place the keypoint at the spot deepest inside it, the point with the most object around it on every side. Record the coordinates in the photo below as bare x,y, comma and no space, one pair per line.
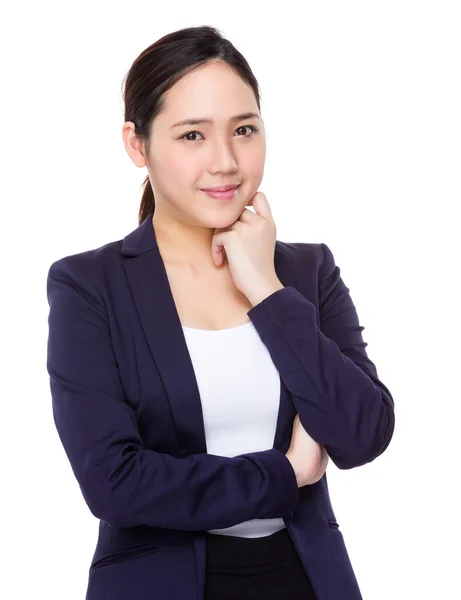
251,127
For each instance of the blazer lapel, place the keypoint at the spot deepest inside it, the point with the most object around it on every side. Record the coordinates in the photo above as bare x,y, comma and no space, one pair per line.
154,301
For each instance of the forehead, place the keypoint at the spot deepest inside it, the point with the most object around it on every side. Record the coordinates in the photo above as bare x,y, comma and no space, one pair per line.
213,91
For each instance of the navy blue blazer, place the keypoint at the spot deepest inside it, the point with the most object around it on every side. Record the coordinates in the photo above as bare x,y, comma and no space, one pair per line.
128,412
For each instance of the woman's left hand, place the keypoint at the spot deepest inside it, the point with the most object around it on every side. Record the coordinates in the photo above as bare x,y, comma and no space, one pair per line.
249,245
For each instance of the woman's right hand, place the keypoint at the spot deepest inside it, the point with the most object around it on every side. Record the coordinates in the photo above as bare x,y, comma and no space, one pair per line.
308,458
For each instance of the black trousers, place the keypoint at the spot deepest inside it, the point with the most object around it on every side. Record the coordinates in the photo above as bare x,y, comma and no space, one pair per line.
264,568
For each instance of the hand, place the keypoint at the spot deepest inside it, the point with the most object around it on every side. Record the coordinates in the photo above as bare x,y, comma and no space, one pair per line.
249,245
322,468
308,458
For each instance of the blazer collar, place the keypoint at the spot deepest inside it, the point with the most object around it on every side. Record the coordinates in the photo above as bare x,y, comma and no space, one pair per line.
141,239
162,326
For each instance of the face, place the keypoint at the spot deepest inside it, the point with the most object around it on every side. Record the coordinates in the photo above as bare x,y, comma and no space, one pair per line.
186,158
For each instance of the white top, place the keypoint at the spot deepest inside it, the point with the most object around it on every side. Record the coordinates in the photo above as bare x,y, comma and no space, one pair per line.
240,393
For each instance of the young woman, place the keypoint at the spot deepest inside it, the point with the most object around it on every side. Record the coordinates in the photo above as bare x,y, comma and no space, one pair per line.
203,372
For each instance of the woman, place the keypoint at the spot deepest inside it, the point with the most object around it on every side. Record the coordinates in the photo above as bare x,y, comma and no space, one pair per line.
203,372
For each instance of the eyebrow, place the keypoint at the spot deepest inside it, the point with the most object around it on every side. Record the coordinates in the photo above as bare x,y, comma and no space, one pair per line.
236,118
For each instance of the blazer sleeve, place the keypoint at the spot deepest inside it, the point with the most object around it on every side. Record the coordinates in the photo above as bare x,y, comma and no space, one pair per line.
334,385
122,482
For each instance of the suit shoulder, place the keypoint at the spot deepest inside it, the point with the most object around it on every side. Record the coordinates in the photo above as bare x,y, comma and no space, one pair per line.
94,259
312,252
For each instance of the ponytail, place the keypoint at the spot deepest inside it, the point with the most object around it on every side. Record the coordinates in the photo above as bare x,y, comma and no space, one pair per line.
147,205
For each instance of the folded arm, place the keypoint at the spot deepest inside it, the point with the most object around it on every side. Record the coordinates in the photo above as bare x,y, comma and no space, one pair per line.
122,482
335,387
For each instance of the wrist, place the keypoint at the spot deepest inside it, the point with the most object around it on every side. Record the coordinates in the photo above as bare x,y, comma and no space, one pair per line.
319,473
263,291
295,467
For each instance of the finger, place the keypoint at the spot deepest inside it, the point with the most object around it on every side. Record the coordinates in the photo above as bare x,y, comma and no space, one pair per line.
217,249
248,216
261,206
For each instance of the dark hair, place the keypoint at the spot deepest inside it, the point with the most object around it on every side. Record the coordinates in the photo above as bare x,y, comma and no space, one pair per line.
159,67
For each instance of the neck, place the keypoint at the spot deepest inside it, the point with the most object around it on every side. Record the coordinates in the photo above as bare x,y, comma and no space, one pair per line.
183,244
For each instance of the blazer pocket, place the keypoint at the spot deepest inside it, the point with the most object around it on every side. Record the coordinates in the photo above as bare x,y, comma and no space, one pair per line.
115,557
333,524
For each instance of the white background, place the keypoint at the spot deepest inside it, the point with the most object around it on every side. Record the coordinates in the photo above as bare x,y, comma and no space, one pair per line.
361,102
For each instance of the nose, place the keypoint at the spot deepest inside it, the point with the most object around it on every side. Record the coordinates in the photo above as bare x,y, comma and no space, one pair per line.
222,157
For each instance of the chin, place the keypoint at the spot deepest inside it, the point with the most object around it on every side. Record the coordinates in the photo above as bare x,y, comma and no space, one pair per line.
229,213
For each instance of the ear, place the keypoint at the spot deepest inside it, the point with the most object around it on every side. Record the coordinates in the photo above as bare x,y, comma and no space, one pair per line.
133,145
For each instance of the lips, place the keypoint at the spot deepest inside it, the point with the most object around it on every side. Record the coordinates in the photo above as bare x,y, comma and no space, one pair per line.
221,188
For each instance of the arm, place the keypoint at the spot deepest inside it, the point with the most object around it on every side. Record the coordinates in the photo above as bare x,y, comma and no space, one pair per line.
322,467
334,385
308,458
122,482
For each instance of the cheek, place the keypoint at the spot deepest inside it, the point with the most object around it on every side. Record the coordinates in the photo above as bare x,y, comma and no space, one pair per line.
171,164
253,163
254,172
176,172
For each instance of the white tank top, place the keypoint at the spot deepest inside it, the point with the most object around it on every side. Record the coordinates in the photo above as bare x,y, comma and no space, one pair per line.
239,388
